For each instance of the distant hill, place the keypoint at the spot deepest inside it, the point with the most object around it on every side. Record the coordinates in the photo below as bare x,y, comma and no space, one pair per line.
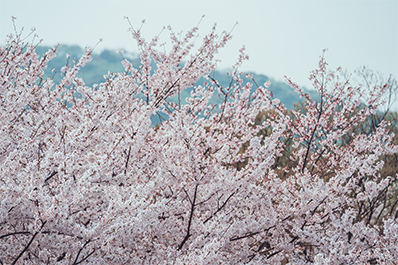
110,61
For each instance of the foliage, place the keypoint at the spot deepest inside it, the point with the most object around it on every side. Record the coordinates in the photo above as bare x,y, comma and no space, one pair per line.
87,179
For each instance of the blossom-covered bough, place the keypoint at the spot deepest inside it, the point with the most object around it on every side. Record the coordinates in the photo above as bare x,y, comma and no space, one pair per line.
86,179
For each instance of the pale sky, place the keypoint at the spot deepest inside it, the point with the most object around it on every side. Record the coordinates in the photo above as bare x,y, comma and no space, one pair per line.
281,37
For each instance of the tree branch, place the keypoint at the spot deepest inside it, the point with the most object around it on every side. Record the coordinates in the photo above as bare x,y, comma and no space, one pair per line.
28,245
51,175
308,149
16,233
190,219
80,250
127,161
220,208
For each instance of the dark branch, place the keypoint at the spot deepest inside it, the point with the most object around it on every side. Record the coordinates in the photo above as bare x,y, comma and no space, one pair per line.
16,233
80,250
127,161
273,254
245,236
51,175
220,208
28,245
190,219
308,149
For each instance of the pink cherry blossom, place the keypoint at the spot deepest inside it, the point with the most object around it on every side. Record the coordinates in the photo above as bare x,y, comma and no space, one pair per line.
89,179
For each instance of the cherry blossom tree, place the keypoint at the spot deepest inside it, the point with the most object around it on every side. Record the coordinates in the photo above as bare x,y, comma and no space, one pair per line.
86,179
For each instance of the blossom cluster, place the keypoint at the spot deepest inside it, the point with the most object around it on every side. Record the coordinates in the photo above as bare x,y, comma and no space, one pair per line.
85,177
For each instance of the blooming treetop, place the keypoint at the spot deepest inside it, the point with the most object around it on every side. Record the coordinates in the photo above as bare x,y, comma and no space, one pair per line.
86,179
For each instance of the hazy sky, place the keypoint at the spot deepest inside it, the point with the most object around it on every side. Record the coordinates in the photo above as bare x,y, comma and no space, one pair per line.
281,37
